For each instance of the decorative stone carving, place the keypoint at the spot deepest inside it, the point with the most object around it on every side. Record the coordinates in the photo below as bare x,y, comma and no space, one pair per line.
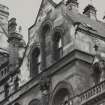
45,85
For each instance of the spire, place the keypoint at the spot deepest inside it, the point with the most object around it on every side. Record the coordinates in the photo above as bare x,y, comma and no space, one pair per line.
90,10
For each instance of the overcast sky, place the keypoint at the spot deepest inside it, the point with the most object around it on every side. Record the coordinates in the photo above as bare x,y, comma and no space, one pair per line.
26,10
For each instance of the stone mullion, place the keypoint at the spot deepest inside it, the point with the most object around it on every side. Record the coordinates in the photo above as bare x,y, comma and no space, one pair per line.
43,53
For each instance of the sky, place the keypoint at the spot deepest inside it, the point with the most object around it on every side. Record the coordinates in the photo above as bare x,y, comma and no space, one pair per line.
26,11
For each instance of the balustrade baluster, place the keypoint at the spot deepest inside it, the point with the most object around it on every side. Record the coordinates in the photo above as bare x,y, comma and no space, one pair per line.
103,85
96,90
91,92
88,94
100,88
82,97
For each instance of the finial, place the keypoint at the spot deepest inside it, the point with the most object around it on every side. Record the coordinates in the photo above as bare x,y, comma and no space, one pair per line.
20,29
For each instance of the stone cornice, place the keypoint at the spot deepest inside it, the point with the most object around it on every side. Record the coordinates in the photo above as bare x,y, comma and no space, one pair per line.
92,33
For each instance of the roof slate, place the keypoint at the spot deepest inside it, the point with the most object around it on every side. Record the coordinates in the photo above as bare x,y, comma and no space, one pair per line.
83,19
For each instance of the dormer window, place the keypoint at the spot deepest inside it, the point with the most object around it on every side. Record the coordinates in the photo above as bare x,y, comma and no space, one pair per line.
57,45
35,62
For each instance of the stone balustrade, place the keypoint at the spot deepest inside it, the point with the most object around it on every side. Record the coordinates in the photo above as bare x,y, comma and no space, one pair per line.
88,95
93,92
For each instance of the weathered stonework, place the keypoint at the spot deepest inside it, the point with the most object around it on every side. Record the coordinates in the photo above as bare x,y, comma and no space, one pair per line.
63,44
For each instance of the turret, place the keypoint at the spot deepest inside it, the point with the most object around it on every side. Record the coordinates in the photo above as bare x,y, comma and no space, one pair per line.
16,44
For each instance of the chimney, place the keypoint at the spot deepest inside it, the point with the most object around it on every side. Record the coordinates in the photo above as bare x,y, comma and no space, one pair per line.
72,5
90,11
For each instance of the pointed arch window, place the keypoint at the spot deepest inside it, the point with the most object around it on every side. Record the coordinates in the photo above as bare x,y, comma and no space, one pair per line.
62,94
44,42
35,62
44,33
57,45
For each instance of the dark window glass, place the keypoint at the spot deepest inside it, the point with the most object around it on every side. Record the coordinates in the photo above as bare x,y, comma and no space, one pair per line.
57,46
44,43
35,62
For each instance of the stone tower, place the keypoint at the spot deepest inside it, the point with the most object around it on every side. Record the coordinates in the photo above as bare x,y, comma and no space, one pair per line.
11,44
64,61
16,44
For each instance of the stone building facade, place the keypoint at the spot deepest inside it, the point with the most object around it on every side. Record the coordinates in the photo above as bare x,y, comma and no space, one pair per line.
64,60
12,48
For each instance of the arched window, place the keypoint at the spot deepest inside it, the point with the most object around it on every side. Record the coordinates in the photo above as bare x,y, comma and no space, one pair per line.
35,62
57,45
62,94
44,42
35,102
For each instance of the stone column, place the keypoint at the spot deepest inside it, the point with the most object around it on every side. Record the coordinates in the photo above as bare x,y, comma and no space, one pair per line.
45,87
